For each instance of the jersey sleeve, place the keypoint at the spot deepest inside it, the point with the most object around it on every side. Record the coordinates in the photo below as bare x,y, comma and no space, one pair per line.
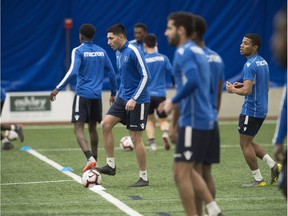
73,70
248,72
143,70
191,75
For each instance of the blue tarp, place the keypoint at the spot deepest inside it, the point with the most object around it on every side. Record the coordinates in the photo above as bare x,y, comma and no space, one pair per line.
34,38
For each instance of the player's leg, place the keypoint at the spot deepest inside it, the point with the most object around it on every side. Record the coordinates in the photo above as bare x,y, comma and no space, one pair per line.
150,131
138,117
182,176
116,113
95,116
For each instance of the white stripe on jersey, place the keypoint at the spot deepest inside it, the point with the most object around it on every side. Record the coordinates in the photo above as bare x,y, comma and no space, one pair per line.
71,67
145,78
188,137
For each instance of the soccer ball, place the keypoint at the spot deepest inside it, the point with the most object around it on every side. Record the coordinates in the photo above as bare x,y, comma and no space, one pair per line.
126,143
91,178
11,135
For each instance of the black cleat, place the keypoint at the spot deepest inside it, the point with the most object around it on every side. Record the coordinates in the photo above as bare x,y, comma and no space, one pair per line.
19,131
140,183
275,173
7,146
107,170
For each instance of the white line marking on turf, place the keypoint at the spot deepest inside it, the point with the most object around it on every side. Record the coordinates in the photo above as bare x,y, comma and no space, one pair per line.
39,182
97,189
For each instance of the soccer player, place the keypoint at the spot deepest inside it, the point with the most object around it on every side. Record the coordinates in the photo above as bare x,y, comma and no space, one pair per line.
254,88
140,30
217,79
89,63
159,67
7,145
131,105
195,124
279,48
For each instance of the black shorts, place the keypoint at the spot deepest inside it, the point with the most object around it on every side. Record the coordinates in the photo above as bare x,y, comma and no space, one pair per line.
86,110
134,120
248,125
154,103
213,151
192,145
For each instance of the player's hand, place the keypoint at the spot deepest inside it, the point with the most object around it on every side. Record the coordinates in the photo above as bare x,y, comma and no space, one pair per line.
229,87
111,100
166,106
130,105
53,94
238,85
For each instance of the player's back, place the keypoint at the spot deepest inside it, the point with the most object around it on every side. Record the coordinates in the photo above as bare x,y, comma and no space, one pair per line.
195,109
93,63
158,65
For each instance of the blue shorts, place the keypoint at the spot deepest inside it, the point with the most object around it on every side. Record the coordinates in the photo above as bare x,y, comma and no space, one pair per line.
213,151
248,125
134,120
86,110
192,145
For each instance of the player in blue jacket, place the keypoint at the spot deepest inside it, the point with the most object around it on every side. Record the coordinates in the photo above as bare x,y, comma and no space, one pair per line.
140,31
255,89
192,76
90,63
160,68
132,102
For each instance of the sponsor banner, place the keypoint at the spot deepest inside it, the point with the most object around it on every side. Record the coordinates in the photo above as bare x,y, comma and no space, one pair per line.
30,103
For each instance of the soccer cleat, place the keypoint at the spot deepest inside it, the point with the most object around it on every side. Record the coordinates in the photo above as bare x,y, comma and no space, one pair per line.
153,147
166,141
19,131
255,183
107,170
140,183
7,146
275,173
89,165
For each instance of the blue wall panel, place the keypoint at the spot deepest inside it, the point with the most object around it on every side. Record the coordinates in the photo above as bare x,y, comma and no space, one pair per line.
33,34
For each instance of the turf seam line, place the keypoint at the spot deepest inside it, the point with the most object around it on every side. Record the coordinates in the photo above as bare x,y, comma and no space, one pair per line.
96,189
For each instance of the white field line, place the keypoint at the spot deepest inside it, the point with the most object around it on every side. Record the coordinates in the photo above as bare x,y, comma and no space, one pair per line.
39,182
70,126
97,189
118,148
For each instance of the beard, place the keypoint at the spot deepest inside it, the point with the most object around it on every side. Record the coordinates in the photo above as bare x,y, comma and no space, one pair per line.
174,41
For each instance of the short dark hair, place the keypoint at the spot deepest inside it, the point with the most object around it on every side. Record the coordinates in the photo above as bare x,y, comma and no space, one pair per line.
184,19
150,40
117,29
141,25
255,39
87,30
200,26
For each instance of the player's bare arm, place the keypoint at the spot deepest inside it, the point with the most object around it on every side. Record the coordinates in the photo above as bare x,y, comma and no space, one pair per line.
53,94
244,91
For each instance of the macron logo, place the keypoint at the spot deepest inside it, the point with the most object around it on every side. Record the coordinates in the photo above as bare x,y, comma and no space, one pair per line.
76,117
93,54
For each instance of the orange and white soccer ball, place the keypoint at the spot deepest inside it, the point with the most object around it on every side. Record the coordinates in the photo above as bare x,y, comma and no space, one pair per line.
126,143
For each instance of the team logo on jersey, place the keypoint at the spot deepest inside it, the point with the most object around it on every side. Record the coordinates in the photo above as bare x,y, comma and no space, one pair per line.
125,59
